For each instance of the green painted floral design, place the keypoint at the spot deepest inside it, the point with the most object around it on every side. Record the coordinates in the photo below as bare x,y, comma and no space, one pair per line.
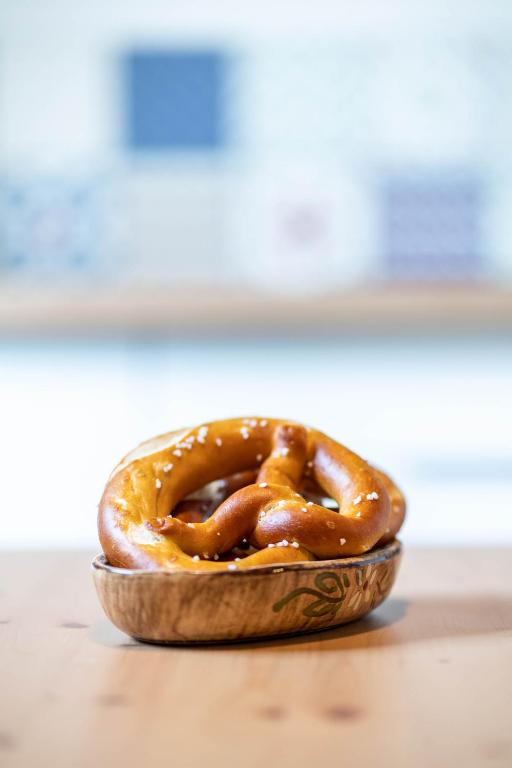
329,595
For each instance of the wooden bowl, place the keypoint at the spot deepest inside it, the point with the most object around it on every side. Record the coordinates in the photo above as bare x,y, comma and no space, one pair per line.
263,601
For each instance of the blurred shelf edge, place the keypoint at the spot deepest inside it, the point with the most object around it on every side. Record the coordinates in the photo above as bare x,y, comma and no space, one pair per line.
375,309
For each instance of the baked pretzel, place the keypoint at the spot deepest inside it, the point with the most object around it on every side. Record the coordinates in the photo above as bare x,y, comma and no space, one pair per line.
160,510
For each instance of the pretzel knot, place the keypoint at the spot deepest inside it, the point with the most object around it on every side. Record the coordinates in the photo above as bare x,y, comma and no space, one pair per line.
161,509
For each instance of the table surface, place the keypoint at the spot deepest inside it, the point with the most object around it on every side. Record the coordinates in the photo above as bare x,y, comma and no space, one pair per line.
426,680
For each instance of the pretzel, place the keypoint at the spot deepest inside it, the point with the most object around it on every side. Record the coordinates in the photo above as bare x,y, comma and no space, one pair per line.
160,511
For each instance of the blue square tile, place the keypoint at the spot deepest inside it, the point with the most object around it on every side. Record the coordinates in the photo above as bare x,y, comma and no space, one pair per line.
50,227
175,100
432,228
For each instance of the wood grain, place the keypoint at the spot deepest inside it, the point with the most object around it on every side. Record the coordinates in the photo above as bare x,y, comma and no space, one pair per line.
424,681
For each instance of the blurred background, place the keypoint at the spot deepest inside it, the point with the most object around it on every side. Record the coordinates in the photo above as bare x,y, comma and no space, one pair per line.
220,208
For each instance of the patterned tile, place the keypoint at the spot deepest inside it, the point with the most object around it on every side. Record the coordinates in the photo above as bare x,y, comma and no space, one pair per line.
431,228
49,227
175,100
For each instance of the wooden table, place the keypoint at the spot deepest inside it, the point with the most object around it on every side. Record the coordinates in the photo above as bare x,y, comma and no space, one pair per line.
426,681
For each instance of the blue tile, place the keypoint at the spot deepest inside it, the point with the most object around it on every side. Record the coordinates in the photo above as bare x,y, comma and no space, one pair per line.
49,226
175,100
432,227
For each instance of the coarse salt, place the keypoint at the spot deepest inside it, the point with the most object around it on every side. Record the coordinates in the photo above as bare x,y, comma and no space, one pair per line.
201,434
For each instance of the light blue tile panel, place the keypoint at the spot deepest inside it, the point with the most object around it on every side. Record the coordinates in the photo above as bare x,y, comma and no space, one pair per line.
432,226
175,100
50,227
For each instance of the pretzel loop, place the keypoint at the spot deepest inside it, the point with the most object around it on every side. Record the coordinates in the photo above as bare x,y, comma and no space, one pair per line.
276,474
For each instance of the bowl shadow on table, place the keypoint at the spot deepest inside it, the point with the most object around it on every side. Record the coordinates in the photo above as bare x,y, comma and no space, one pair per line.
397,622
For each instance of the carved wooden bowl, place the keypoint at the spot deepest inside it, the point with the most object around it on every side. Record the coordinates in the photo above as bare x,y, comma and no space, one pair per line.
264,601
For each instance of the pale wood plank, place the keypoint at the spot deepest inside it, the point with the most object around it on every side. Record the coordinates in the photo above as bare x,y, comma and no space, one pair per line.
214,308
426,681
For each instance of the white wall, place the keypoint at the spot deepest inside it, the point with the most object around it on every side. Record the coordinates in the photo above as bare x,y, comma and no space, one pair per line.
437,415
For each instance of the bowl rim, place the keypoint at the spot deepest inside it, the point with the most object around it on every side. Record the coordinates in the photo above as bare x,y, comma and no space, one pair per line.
387,552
